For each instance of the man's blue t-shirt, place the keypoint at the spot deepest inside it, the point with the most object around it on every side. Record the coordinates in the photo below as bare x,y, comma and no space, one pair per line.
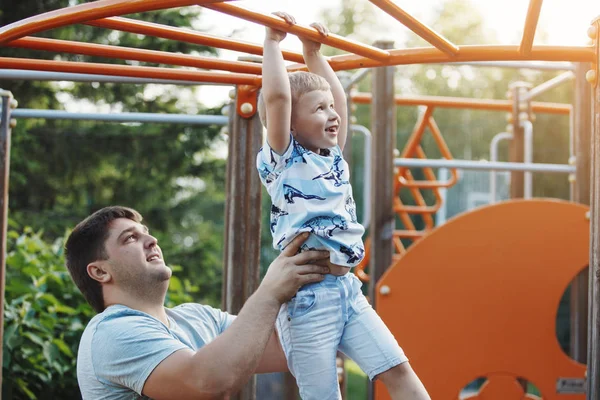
121,346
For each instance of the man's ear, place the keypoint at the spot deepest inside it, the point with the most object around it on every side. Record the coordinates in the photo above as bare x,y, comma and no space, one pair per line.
97,271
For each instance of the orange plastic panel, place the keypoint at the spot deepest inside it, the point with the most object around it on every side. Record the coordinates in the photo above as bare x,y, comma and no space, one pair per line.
478,296
501,387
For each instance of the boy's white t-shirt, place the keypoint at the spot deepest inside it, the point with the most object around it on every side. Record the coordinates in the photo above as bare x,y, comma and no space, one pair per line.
312,193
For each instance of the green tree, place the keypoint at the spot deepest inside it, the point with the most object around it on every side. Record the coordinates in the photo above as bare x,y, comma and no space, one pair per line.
63,170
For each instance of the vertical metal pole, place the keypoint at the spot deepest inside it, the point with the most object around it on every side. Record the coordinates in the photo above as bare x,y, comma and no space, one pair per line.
593,372
517,144
582,124
383,122
232,115
5,127
243,220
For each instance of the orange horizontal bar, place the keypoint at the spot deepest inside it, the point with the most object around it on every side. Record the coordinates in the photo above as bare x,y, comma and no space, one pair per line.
126,53
417,27
418,209
429,55
405,234
128,70
531,21
459,102
187,35
85,12
300,30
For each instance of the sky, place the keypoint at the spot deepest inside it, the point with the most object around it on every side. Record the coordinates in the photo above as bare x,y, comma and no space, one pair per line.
565,21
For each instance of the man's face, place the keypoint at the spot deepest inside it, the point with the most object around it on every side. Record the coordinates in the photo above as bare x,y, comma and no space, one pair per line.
134,258
314,120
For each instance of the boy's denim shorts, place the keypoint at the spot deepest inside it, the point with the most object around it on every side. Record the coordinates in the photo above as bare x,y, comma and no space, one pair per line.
328,316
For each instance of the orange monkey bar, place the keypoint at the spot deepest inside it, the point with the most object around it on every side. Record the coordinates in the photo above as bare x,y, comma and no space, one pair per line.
86,12
429,55
96,13
533,15
417,26
474,104
300,30
186,35
126,53
130,71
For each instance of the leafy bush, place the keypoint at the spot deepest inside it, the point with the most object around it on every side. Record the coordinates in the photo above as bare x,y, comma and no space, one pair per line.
44,317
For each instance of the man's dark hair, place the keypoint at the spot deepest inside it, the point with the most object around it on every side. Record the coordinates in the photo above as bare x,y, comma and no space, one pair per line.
86,244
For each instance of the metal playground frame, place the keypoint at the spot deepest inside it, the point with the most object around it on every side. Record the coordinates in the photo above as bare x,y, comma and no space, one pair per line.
242,246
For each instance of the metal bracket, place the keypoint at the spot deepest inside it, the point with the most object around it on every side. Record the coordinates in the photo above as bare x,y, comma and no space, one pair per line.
247,98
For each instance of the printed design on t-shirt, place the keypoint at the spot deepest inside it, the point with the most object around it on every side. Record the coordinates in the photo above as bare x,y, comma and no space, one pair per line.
305,247
266,174
290,192
276,212
335,173
273,160
354,252
325,226
281,240
297,155
351,209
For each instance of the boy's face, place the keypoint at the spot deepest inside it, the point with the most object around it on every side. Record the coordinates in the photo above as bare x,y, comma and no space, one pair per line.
314,121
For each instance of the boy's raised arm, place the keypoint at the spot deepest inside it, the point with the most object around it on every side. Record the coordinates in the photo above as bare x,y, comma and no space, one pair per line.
317,64
276,89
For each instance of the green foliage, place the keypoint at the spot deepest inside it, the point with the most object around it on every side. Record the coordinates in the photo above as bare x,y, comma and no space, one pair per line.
357,381
44,317
61,171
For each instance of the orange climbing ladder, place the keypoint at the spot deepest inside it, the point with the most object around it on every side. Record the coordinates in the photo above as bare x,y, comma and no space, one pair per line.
403,178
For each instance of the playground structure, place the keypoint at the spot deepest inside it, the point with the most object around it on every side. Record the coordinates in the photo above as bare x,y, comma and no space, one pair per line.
472,261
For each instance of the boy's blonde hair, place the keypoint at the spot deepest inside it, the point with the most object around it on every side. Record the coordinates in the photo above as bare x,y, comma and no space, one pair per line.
301,82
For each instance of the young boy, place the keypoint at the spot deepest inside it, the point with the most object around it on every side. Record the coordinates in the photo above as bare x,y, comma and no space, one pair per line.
304,172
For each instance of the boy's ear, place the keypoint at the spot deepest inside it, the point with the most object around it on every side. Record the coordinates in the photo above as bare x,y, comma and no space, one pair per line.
98,272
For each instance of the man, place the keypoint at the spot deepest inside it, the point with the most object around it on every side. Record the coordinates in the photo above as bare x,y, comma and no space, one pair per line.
136,348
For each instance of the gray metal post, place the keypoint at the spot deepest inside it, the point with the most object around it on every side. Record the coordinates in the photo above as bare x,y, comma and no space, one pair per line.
5,127
243,210
383,122
517,146
593,372
582,123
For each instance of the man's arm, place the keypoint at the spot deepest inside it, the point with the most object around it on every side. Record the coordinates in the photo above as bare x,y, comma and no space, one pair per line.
273,359
276,89
223,366
317,64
